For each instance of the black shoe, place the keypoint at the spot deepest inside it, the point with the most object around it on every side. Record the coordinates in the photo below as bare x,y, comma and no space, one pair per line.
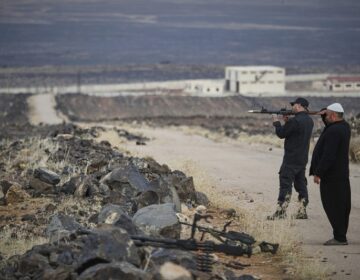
300,215
334,242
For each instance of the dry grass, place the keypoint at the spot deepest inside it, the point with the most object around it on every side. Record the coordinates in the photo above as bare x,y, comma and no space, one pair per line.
37,153
283,232
16,242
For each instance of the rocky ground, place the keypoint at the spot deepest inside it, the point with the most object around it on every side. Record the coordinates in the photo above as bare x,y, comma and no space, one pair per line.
69,205
81,199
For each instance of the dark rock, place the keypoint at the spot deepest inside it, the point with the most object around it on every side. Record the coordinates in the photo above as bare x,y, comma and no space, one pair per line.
115,270
87,186
93,218
110,213
50,208
41,187
47,176
5,185
147,198
34,264
127,180
183,185
70,186
60,273
115,215
186,259
202,198
28,217
97,162
158,220
107,244
2,198
167,192
61,226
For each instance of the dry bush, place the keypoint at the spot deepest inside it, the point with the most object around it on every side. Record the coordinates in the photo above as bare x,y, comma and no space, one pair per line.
37,153
355,149
16,242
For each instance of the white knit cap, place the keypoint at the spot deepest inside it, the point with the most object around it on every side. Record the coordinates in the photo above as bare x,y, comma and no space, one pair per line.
336,107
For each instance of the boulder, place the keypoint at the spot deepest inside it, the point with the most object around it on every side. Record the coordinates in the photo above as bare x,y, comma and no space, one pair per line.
184,185
47,176
127,180
115,215
114,270
105,245
61,226
160,256
171,271
81,186
167,192
158,220
16,194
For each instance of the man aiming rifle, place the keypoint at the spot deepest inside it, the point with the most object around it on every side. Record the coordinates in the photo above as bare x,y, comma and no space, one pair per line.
297,132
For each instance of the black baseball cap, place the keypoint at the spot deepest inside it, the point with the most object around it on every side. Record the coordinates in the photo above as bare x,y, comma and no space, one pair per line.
302,101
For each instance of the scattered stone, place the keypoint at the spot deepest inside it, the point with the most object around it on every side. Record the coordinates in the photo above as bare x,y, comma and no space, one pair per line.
61,226
28,218
201,209
41,187
202,198
171,271
160,256
50,208
16,194
86,186
47,176
114,270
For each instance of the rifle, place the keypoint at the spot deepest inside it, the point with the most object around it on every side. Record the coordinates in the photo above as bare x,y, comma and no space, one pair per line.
229,237
282,111
191,245
219,235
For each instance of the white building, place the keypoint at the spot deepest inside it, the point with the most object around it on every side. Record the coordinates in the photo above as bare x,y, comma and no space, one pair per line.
255,80
205,87
343,83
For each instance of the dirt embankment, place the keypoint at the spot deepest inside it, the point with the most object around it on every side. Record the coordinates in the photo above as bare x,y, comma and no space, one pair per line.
225,114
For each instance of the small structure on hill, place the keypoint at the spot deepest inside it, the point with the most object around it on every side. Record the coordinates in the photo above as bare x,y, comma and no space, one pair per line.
255,80
343,83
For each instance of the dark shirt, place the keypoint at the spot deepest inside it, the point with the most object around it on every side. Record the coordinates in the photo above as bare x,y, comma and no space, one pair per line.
297,132
330,159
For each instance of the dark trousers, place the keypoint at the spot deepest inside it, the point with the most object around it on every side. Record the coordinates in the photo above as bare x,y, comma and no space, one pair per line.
288,176
336,200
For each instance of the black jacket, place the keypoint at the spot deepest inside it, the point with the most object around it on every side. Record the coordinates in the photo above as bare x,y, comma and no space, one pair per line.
297,132
330,158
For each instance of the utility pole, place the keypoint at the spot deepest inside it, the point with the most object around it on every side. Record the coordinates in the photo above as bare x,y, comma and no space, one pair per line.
79,82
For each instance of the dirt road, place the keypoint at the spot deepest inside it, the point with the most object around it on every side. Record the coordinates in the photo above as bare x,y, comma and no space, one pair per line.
42,109
251,172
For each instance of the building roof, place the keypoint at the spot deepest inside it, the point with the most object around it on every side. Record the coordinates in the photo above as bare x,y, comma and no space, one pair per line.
254,68
344,79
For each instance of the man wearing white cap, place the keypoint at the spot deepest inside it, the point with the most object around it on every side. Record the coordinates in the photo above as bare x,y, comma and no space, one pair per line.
330,168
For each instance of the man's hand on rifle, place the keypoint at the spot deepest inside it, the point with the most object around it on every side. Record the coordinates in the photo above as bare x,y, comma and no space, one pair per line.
285,118
317,179
275,117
